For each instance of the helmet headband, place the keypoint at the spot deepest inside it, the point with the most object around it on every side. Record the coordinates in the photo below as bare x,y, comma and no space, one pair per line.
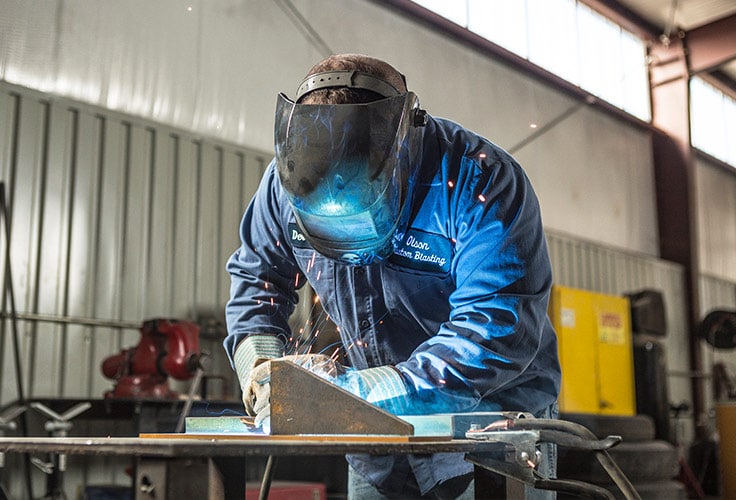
346,78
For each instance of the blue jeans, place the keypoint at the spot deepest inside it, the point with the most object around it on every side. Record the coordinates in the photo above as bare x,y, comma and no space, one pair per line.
359,488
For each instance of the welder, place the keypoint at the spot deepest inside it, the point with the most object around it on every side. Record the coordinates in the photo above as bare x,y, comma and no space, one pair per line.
424,243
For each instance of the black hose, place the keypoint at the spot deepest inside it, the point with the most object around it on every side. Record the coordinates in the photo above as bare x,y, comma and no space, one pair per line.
565,439
181,423
552,424
617,475
583,432
577,488
267,475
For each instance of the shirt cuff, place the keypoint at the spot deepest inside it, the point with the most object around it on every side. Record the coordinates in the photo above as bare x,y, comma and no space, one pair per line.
253,350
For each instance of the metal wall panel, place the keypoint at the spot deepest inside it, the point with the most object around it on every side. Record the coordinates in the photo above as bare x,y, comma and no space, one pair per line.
591,266
119,219
716,293
114,219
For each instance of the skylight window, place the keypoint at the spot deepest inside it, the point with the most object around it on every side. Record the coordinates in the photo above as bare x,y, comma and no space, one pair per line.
566,38
712,121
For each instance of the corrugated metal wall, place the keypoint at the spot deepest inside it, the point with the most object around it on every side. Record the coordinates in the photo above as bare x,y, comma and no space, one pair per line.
113,219
591,266
121,220
716,293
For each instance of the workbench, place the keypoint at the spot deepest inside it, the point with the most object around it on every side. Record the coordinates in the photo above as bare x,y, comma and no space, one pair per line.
199,463
240,446
180,462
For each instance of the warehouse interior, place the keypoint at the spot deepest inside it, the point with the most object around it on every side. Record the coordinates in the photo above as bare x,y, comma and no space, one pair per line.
134,133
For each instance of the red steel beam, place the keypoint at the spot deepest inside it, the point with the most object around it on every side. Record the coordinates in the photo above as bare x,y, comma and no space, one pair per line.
711,45
674,171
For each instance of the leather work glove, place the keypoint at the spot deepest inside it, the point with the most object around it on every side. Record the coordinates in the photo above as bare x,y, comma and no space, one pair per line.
257,389
382,386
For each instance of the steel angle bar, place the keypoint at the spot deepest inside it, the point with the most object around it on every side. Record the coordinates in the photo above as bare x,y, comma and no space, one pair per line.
303,403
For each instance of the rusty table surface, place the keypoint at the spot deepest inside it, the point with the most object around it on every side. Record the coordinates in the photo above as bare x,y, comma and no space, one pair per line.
184,445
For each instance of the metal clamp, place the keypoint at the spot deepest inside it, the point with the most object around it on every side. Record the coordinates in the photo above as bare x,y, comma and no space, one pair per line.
523,434
521,455
60,424
7,423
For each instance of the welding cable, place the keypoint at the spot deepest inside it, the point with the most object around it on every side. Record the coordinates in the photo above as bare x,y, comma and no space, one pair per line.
617,475
267,476
576,488
181,423
535,424
608,464
571,441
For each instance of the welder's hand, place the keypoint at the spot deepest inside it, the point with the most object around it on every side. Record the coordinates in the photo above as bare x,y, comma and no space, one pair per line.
257,390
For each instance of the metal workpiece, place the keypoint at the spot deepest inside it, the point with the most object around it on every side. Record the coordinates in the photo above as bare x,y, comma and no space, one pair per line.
304,403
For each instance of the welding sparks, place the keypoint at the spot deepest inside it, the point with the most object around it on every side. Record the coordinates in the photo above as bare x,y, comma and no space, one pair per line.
308,334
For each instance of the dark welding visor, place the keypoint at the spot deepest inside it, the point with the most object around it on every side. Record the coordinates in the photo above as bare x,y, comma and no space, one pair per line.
346,170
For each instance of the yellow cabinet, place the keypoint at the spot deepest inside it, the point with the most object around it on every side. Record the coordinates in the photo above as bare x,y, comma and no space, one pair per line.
595,347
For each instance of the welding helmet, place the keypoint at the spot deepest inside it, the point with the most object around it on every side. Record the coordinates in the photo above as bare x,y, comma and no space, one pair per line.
346,168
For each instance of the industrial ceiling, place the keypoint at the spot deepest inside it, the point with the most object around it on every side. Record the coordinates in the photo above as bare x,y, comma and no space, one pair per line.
714,20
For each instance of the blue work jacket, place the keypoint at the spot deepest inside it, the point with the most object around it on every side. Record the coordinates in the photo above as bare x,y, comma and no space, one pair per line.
460,308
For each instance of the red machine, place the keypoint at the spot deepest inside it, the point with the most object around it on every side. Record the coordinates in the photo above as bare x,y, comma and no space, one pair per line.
167,348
